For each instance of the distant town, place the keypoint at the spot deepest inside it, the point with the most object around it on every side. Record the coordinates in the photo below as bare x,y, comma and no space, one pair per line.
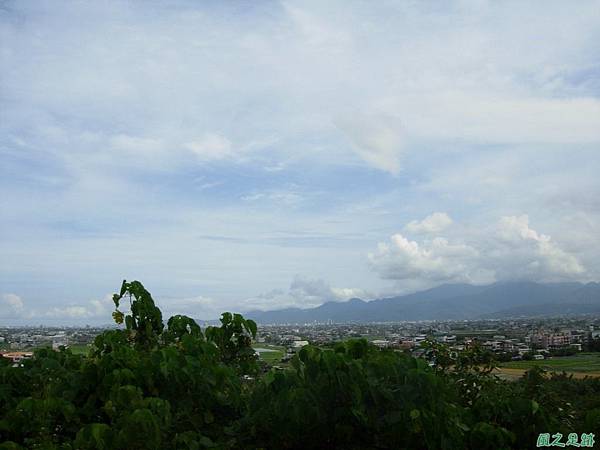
512,339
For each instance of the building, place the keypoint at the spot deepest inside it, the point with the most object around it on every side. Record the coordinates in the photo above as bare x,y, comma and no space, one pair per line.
16,357
381,343
551,340
298,344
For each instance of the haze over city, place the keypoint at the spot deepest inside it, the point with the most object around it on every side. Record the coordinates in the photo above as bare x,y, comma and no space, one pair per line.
264,155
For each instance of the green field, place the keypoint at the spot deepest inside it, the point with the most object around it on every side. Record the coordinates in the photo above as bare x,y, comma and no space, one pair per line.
79,349
470,332
273,355
582,362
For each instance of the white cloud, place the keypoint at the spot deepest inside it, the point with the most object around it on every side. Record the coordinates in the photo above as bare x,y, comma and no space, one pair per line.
435,261
286,197
377,139
318,31
433,223
70,312
303,293
498,118
11,304
510,250
534,255
343,294
98,310
412,74
210,146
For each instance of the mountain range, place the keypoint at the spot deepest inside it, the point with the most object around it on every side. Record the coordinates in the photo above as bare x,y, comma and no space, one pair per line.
451,302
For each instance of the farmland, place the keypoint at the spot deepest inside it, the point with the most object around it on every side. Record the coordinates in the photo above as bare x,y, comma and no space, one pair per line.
585,363
271,354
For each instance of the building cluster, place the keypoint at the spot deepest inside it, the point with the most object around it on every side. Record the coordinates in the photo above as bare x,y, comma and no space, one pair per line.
27,338
550,340
512,337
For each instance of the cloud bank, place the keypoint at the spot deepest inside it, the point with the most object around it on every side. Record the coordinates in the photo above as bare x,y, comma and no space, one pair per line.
302,293
508,250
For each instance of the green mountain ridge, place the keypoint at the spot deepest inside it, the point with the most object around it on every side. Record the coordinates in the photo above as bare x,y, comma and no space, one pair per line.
452,302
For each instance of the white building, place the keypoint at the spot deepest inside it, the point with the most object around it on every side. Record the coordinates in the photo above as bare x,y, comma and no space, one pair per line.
299,344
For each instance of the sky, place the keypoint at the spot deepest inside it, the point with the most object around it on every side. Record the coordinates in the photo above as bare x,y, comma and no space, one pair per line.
269,154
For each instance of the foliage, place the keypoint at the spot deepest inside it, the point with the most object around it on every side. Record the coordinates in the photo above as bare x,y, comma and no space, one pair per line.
593,345
355,396
145,385
234,340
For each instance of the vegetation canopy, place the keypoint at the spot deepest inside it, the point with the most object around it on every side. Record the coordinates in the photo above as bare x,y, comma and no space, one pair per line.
145,385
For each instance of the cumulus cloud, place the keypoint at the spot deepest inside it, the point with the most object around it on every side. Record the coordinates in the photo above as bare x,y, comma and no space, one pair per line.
94,309
71,312
436,260
99,311
10,304
533,255
303,293
198,307
433,223
507,251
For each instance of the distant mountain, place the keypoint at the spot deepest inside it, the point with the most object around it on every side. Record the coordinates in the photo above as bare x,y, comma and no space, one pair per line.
451,302
337,311
579,299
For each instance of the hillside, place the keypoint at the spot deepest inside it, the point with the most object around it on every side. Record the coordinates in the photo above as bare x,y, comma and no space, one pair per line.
450,302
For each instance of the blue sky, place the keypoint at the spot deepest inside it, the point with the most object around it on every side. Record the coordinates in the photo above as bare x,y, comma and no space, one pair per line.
243,155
